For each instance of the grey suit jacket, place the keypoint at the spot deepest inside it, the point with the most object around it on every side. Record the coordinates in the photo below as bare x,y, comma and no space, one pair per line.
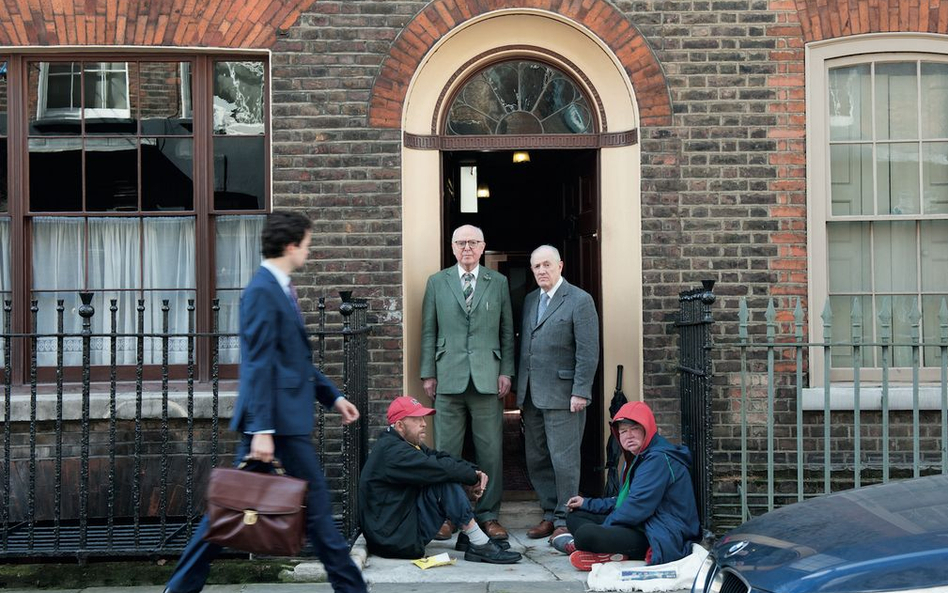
560,353
457,346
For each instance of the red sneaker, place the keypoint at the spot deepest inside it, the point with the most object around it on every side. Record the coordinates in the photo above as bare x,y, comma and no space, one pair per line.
584,560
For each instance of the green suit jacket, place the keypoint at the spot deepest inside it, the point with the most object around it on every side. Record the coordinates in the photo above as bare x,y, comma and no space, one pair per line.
457,346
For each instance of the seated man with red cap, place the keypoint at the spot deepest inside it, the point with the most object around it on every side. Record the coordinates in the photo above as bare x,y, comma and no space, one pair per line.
406,491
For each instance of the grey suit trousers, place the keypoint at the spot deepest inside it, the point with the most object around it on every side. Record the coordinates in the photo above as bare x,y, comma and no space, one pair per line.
553,440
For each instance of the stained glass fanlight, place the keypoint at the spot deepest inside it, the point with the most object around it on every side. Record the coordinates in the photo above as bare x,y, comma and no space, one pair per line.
519,97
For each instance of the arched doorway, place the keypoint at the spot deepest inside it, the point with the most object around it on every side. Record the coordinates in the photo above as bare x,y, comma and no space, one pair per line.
612,159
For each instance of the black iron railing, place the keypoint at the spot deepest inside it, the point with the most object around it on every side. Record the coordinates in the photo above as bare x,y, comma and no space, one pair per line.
694,327
117,467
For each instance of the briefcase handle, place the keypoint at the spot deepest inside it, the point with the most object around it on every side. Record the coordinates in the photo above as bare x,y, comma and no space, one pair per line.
255,465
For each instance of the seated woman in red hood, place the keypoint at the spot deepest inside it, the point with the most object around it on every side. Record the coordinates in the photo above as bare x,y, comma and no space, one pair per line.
654,517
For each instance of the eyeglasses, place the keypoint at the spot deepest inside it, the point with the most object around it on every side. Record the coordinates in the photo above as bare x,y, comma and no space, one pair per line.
472,244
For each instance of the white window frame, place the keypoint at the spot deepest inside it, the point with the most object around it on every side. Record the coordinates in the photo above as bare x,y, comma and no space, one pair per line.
43,112
900,46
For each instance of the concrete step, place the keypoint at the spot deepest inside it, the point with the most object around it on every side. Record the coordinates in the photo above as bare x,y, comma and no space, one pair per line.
520,514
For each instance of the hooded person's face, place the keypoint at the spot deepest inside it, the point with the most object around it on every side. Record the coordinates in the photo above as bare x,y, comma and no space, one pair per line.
631,436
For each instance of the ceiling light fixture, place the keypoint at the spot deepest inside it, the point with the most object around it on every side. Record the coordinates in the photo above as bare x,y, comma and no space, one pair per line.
521,156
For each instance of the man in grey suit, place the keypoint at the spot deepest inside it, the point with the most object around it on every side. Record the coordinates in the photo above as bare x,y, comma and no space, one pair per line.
467,361
559,354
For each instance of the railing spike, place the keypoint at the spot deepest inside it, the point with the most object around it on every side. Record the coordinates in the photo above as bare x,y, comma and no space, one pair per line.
743,315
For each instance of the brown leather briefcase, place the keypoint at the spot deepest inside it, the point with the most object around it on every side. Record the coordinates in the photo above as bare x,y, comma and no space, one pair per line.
261,513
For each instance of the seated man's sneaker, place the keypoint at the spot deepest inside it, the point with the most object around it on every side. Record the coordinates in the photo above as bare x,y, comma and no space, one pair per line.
490,553
584,560
464,541
563,543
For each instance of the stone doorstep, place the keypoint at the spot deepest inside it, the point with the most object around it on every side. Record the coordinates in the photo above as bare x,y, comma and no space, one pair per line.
520,514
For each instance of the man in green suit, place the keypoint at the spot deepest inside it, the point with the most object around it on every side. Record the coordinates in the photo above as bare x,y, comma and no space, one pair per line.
467,361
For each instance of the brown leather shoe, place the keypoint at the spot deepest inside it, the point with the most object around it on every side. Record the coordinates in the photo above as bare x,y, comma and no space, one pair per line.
543,529
494,529
558,531
446,531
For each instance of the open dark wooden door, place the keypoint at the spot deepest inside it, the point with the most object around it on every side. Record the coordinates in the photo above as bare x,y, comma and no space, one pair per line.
581,256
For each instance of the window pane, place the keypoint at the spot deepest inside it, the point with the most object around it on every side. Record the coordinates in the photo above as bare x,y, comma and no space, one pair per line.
849,101
520,97
849,257
3,97
933,235
935,177
111,174
114,253
934,100
237,249
58,253
167,174
239,173
842,356
4,202
894,256
55,174
165,97
896,101
228,323
5,285
169,252
109,105
900,330
851,179
931,327
53,99
238,98
897,178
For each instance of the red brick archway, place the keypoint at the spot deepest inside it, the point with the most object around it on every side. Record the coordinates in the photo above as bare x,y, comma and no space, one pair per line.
207,23
441,16
842,18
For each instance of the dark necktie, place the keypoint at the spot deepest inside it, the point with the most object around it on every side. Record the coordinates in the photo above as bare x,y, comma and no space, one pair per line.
544,303
468,289
296,302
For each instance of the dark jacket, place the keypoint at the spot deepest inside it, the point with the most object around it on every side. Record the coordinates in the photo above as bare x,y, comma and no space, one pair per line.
661,500
392,480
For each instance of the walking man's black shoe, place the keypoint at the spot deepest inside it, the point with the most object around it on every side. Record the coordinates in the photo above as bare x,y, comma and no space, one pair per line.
464,541
490,553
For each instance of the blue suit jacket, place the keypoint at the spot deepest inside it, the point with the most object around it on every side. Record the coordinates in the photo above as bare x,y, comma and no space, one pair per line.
278,382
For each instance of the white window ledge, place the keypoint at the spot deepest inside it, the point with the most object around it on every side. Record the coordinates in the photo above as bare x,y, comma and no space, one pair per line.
842,397
124,406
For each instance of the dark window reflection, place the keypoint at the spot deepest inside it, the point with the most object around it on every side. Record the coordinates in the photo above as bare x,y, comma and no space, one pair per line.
165,98
238,173
55,174
167,174
111,175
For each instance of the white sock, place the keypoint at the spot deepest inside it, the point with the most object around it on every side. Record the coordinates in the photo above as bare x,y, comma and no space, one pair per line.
477,537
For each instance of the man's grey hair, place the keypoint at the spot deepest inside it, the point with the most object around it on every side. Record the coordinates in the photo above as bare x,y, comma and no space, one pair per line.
479,231
556,252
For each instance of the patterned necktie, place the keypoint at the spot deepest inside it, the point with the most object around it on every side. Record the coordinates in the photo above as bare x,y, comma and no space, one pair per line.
468,289
544,303
296,302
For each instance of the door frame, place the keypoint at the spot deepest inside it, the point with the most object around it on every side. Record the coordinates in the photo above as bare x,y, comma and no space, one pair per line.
466,48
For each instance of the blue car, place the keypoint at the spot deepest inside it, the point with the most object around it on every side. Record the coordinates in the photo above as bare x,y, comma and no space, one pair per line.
888,537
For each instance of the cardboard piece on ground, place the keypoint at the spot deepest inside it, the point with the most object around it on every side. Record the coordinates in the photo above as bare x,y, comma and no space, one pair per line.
633,575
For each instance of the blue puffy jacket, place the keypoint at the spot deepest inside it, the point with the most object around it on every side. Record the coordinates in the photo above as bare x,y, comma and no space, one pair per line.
661,499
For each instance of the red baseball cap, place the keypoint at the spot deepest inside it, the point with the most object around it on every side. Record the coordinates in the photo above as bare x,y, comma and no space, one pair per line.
405,406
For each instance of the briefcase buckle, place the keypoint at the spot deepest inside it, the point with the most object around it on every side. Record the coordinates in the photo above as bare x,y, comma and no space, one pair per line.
250,517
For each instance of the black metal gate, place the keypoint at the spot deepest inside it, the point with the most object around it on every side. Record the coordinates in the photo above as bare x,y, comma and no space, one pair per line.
694,327
93,469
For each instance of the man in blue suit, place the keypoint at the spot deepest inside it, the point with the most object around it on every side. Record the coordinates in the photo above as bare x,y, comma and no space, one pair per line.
276,403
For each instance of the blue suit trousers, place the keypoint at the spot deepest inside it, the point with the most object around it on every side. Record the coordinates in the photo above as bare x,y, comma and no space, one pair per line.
298,457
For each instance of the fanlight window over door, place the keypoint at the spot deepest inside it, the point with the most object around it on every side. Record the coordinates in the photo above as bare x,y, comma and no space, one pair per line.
517,98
